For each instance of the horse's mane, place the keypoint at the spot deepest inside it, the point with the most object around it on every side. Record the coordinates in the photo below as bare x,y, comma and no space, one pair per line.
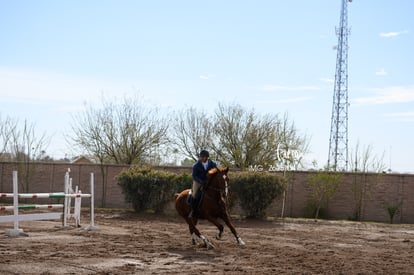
216,170
212,172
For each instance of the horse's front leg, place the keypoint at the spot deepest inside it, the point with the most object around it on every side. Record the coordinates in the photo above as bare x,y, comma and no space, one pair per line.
219,226
193,234
194,230
226,219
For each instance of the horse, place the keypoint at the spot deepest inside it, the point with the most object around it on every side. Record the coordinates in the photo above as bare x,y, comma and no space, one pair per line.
212,207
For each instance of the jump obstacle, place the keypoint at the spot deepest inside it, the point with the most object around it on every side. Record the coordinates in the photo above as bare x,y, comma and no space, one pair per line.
67,195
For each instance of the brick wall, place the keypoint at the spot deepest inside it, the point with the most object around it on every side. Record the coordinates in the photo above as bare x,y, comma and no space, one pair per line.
378,190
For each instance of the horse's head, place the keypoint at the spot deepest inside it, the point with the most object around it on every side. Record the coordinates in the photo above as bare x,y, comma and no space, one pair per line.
218,180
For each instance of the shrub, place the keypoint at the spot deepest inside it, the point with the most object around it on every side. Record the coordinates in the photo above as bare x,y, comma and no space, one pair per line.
149,189
256,191
323,185
312,208
393,209
182,182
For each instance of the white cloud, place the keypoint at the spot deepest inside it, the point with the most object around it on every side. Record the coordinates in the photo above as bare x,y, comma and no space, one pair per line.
381,72
293,99
35,86
327,80
401,116
207,76
286,100
392,34
387,95
23,85
275,88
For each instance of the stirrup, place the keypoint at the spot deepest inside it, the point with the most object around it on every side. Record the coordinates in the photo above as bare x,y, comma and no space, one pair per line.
192,214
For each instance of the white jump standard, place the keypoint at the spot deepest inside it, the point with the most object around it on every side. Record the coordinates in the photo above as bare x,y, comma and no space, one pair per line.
64,216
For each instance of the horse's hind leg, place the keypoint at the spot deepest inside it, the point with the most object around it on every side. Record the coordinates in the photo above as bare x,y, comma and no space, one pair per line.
226,219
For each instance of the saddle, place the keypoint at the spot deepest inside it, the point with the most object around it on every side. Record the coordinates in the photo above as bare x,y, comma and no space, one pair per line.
197,200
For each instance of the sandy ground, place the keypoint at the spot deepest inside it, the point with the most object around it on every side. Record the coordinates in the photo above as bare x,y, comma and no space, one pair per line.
129,243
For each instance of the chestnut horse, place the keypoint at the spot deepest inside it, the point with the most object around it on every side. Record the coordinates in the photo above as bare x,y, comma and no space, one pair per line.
212,207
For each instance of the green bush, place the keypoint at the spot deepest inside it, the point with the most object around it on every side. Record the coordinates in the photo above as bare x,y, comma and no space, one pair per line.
312,208
182,182
149,189
392,209
256,191
323,185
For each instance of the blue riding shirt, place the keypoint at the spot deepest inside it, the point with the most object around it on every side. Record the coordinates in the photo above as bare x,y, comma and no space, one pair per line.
200,173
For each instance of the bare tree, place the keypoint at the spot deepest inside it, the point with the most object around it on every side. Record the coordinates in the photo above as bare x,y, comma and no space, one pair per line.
291,148
239,135
122,133
24,144
364,160
245,138
7,126
292,145
368,168
19,142
192,132
323,185
125,132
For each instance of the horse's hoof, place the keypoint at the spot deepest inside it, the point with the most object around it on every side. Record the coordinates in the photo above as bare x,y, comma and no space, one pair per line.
210,246
241,243
207,243
219,235
193,242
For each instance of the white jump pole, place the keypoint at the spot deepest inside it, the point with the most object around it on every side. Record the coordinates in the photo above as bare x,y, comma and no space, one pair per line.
67,200
34,206
92,185
15,231
77,211
15,201
92,224
56,195
67,195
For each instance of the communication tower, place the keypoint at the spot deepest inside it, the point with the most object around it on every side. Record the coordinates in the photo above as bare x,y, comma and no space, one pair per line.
338,141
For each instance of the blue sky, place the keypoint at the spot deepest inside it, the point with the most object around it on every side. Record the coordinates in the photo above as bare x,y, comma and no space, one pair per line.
275,56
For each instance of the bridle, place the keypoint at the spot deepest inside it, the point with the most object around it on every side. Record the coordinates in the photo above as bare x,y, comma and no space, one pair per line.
222,192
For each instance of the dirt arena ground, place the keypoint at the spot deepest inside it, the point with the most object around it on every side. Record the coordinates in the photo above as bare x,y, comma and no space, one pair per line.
148,244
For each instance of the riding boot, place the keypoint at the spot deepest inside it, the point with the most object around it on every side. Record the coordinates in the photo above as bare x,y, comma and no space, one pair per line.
194,206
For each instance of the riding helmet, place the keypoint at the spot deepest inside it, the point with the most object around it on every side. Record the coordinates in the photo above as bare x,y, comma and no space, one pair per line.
204,153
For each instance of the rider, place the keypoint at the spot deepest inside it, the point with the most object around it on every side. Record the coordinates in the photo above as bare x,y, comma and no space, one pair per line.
200,170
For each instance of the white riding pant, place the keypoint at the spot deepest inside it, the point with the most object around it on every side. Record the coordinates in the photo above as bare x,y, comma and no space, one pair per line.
196,187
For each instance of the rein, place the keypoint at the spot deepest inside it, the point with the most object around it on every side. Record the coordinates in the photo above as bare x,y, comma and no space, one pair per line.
220,191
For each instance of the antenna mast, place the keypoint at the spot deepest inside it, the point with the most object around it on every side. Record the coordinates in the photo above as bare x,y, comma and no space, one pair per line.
338,141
